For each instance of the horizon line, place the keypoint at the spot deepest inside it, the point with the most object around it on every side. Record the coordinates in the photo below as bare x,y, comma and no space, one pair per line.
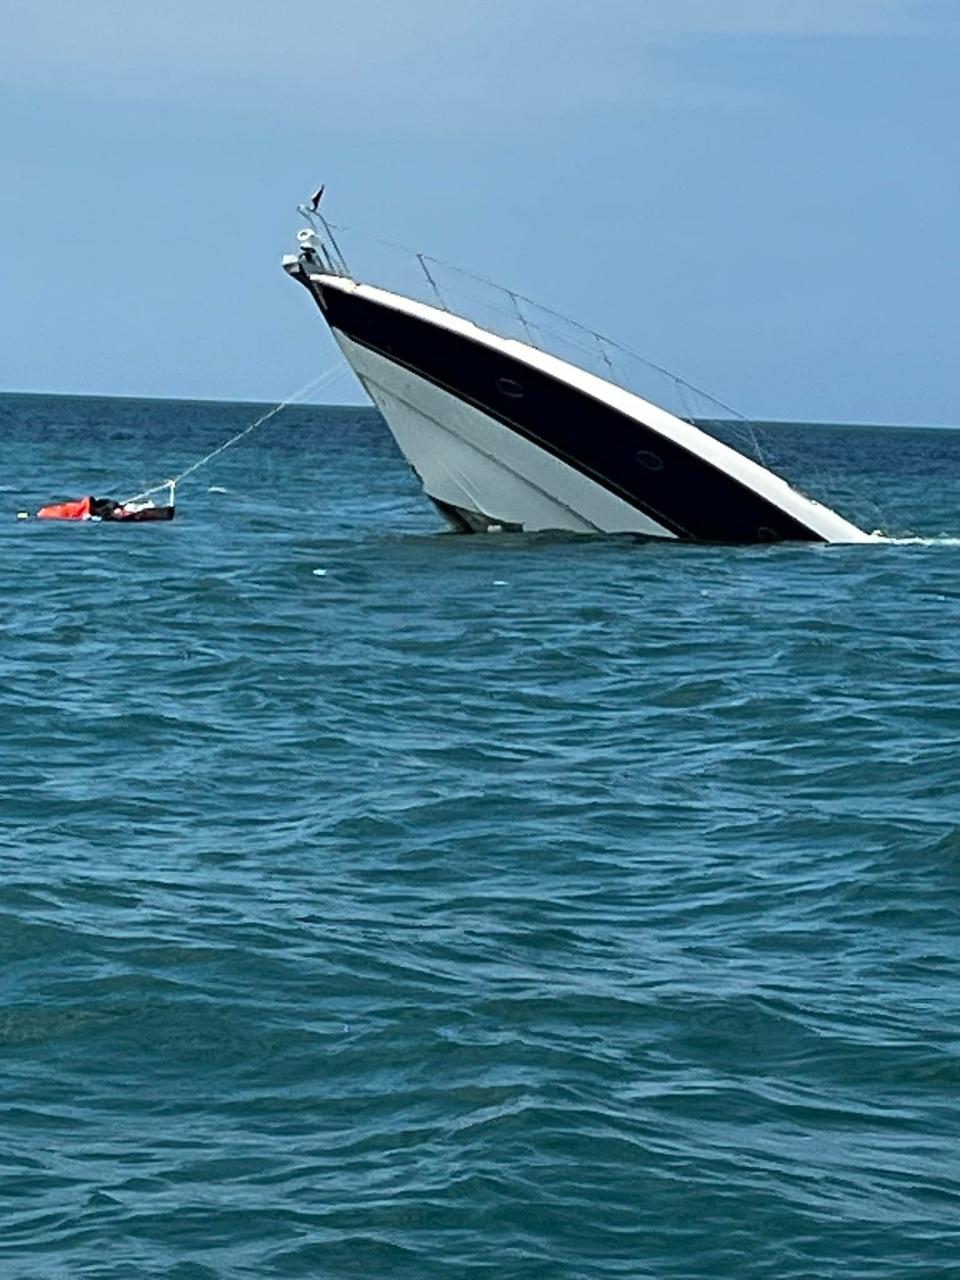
322,404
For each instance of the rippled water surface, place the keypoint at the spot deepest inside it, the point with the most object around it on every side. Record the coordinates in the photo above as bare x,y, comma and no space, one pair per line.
381,902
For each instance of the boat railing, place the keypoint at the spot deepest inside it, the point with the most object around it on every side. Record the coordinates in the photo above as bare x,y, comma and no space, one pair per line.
344,251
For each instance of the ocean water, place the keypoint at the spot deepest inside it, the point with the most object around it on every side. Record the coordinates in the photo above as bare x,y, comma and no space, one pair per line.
377,901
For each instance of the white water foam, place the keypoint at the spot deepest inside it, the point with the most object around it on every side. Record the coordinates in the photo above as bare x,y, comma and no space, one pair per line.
937,540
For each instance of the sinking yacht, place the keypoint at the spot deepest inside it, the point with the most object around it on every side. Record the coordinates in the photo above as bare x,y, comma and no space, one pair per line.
504,435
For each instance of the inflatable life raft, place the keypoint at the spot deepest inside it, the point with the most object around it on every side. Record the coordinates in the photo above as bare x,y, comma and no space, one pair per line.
91,508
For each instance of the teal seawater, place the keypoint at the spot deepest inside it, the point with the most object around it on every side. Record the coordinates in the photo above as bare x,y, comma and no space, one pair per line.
490,906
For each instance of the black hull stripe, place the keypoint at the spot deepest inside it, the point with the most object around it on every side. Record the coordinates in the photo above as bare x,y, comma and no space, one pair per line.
666,482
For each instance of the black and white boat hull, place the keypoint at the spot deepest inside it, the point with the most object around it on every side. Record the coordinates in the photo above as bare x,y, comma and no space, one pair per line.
505,436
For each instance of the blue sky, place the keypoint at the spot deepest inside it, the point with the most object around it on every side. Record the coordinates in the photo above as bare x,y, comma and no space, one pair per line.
763,194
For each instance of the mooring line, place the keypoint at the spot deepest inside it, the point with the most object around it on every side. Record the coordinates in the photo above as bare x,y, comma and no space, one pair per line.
171,484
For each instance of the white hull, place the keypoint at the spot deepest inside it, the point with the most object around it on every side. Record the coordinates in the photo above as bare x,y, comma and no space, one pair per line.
468,461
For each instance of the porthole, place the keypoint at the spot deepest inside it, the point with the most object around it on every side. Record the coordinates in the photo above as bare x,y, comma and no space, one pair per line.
652,461
510,387
766,534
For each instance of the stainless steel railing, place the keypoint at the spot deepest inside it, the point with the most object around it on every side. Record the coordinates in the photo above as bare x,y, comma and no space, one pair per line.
346,252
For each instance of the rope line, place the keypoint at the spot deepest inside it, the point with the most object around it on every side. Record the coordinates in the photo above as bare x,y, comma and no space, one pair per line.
313,385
